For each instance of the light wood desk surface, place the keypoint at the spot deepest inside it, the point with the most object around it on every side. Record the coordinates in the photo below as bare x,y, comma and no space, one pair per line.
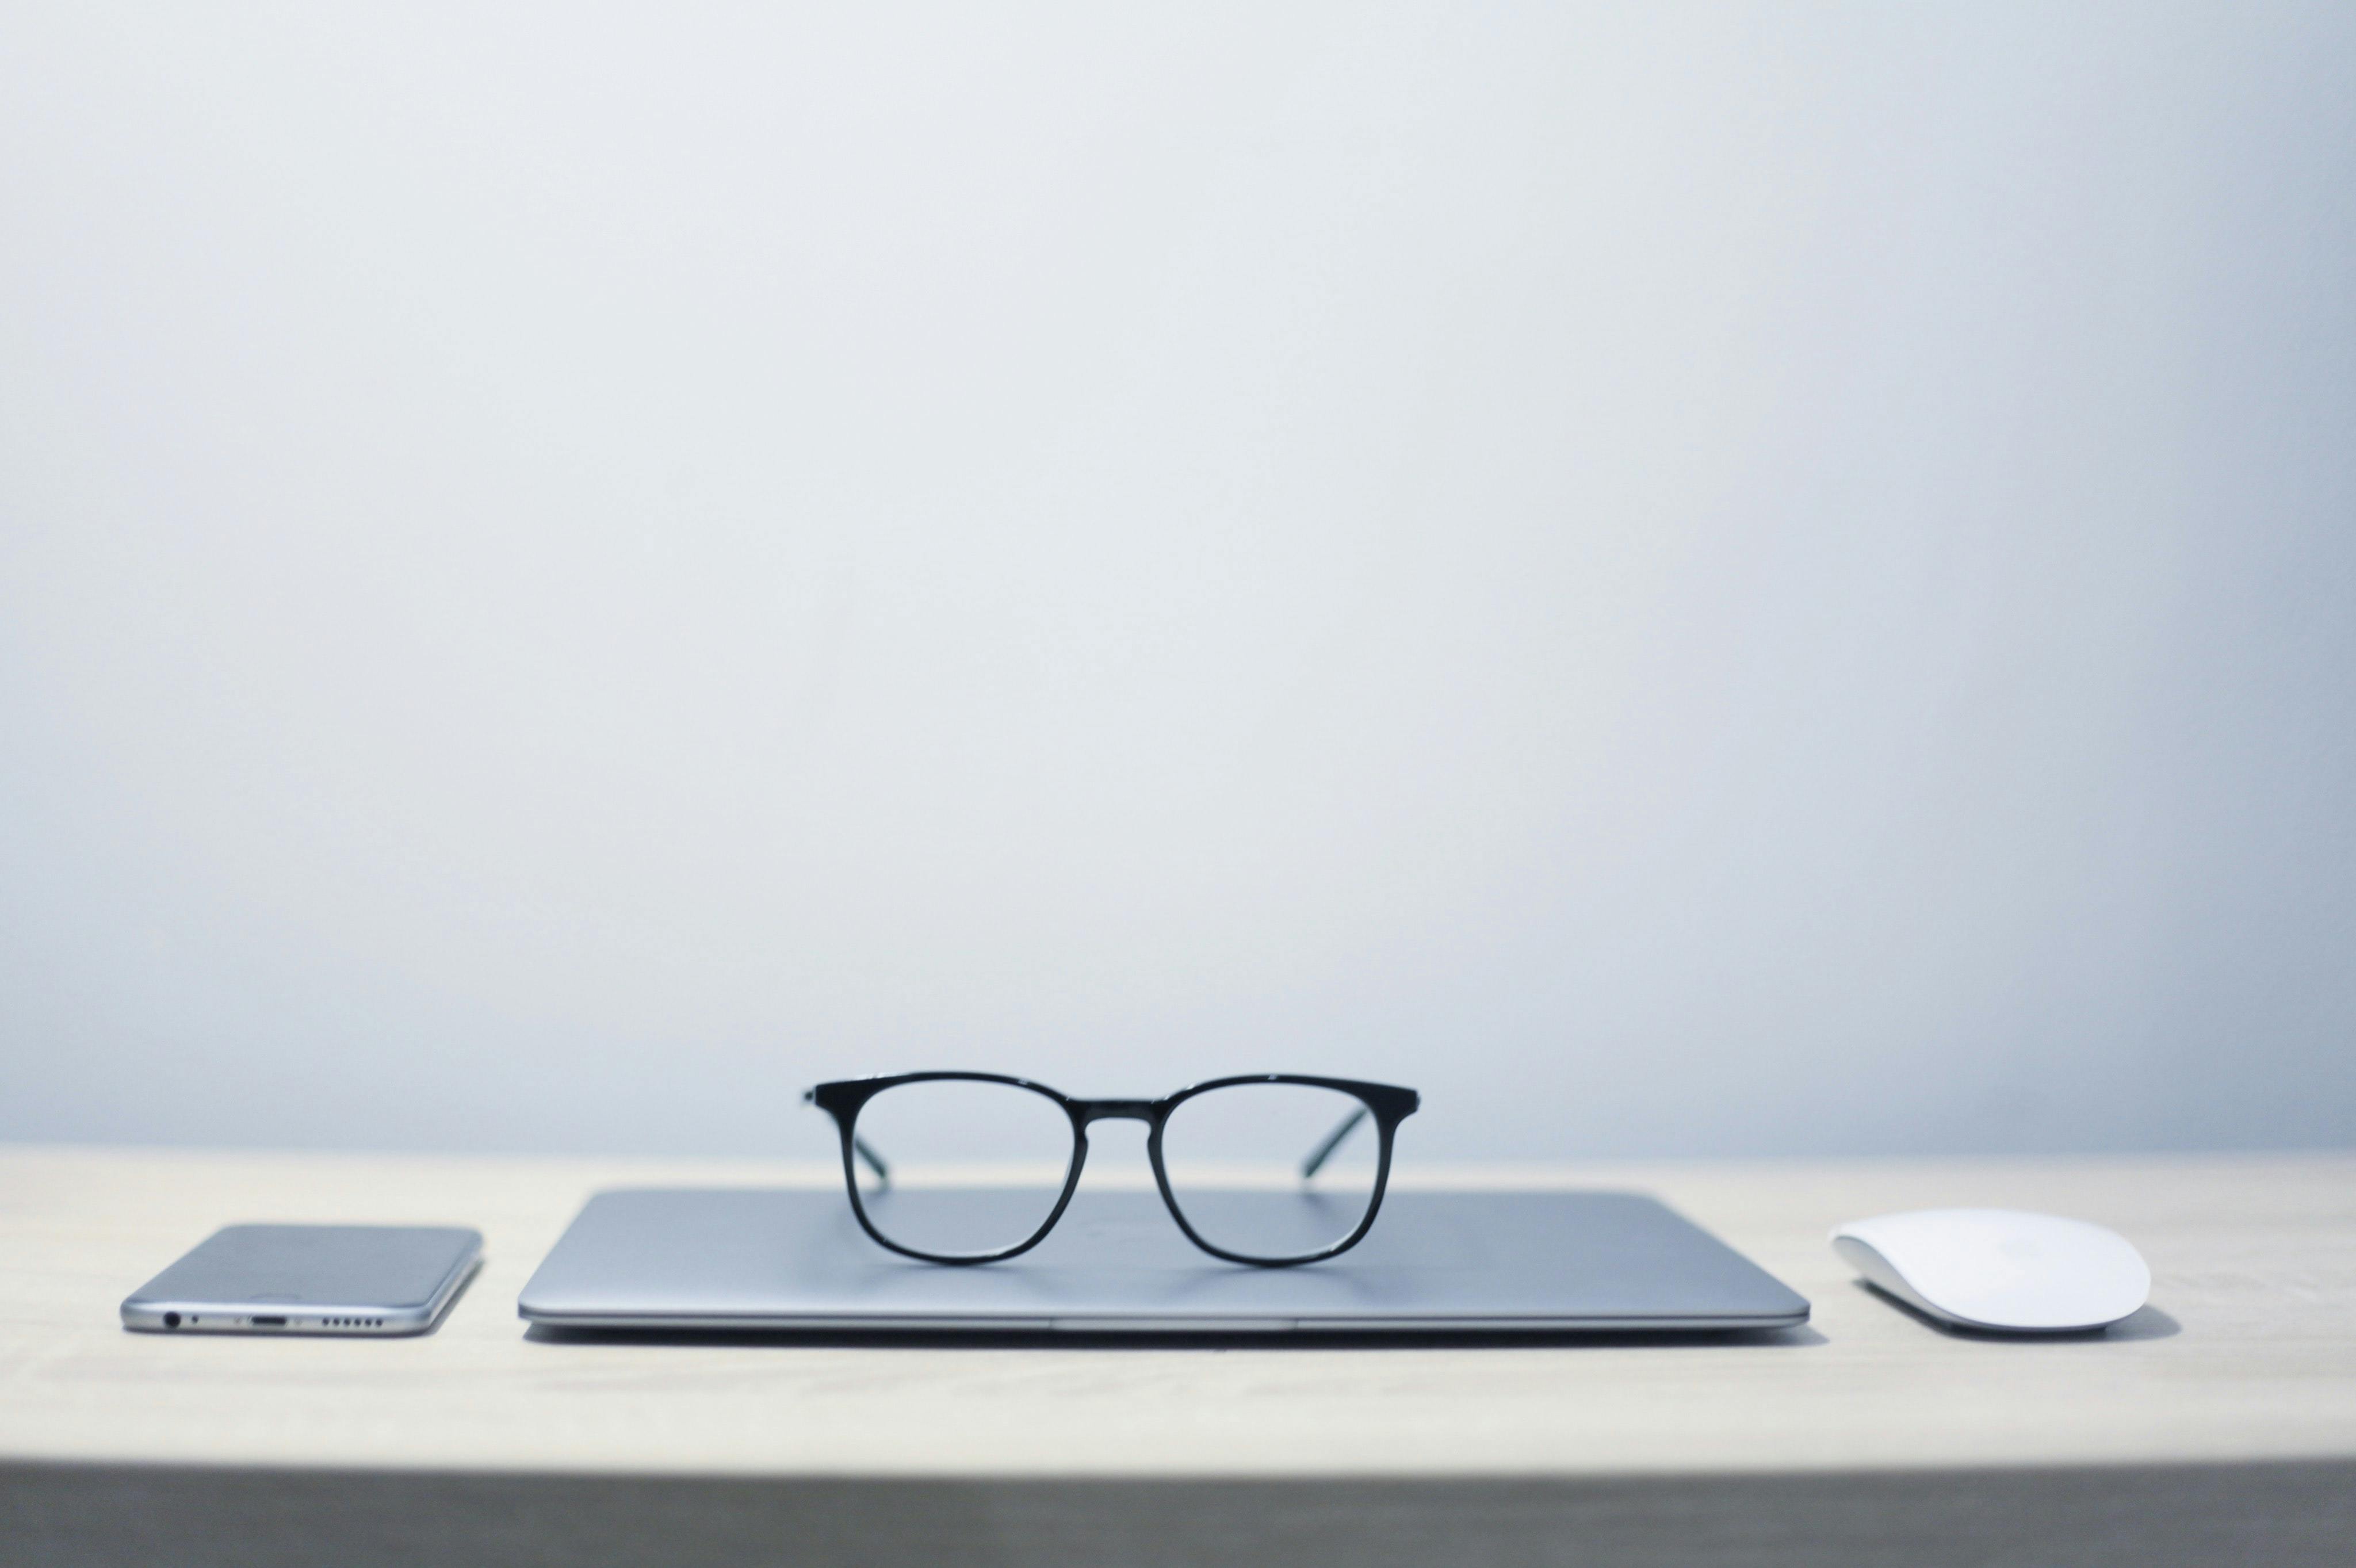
2247,1353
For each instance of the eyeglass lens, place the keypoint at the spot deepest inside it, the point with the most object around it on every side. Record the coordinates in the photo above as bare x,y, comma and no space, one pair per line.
1236,1159
1016,1140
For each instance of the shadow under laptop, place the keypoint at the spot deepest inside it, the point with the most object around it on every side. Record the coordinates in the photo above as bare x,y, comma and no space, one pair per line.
1800,1337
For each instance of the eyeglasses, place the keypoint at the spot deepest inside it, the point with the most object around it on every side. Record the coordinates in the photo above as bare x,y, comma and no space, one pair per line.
1194,1139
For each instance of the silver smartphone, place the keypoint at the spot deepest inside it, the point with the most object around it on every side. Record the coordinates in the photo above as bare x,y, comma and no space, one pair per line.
309,1279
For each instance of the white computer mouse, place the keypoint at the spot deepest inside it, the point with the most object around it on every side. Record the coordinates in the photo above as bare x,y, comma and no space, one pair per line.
2000,1268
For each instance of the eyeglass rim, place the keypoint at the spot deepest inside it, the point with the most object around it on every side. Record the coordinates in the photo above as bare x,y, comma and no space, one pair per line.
1389,1104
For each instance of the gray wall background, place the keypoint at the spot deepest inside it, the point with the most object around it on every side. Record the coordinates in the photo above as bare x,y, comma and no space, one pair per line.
1687,579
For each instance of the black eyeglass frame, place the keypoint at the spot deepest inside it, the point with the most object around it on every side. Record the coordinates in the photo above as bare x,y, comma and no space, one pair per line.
1388,1104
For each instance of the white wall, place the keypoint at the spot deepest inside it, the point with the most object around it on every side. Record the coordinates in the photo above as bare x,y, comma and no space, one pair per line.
1684,578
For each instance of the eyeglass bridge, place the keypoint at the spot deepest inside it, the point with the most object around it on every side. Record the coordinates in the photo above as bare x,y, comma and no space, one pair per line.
1092,1110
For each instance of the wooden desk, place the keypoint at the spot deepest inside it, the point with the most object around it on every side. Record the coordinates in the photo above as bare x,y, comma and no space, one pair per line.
2219,1426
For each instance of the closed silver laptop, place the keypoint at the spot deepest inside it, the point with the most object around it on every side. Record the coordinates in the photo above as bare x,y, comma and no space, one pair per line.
1451,1263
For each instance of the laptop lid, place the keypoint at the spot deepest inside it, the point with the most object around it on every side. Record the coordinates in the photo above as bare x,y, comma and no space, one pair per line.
1435,1261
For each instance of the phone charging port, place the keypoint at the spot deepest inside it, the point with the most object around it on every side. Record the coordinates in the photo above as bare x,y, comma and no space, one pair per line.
270,1323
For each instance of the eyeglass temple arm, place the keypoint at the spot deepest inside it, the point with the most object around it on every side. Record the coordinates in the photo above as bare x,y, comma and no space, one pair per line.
859,1146
1324,1151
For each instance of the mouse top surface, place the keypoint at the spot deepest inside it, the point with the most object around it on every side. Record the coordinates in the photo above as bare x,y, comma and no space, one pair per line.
2000,1268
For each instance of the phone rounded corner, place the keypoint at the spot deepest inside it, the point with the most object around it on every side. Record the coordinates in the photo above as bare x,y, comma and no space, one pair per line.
147,1317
